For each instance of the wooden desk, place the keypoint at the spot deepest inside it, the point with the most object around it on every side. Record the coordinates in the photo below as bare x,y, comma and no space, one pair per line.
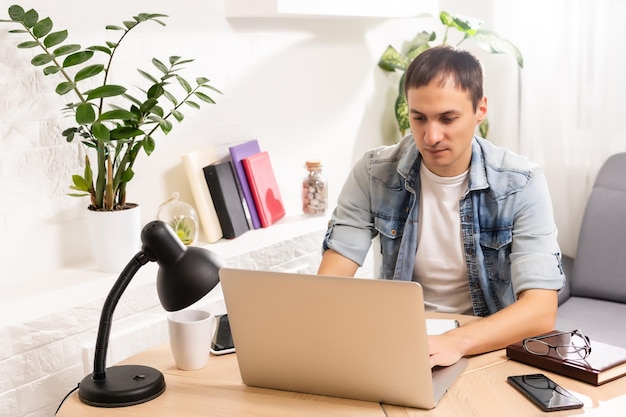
484,392
217,390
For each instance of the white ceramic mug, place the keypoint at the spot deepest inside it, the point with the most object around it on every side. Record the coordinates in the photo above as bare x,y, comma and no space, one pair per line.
190,333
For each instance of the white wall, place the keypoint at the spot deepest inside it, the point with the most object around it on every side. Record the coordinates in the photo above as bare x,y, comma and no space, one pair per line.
305,88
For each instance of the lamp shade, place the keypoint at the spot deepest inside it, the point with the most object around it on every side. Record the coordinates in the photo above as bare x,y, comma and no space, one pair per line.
186,274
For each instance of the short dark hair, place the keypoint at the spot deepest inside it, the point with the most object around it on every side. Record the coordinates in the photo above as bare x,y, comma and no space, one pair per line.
446,62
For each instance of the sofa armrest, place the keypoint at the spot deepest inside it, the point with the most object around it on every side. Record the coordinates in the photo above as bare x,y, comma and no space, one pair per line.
568,268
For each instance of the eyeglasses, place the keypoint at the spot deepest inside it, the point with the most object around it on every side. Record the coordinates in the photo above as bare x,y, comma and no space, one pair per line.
573,345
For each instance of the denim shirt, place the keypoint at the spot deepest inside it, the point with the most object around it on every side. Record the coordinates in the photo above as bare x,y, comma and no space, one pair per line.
507,224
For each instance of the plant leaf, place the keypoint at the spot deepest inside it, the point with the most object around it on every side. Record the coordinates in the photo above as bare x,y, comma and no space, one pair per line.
129,24
402,113
41,59
16,13
100,131
419,44
88,71
66,49
483,128
125,132
465,24
128,175
106,91
160,66
155,91
64,88
100,48
42,28
210,87
114,27
391,60
55,38
148,145
165,125
119,114
148,76
53,69
192,104
204,97
158,110
30,18
178,115
85,114
28,44
77,58
184,84
147,105
186,61
80,184
493,43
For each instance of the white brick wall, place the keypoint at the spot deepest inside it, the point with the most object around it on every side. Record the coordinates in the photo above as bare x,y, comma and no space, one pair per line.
305,89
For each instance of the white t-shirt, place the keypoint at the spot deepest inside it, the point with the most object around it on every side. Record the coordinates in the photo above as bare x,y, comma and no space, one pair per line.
440,259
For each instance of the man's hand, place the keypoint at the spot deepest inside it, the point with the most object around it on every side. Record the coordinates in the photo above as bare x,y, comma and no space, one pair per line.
444,349
533,313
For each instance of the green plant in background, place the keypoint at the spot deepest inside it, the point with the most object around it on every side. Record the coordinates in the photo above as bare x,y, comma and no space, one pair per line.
116,130
393,60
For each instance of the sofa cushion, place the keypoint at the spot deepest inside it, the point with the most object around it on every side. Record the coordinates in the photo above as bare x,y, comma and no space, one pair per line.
600,263
600,320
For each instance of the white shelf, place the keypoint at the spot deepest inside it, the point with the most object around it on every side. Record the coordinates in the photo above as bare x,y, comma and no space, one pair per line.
330,8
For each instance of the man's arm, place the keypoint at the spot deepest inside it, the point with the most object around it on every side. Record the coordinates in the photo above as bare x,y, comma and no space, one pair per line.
533,313
335,264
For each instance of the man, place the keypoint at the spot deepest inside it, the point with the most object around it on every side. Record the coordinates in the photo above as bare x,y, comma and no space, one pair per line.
471,222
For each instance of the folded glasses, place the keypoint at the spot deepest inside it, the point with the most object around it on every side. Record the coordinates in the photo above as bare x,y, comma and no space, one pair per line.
572,345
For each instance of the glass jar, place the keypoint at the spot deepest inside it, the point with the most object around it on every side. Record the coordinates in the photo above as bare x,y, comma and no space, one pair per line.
314,190
181,217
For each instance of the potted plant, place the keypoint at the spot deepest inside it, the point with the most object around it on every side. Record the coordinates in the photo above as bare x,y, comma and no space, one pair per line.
392,60
114,125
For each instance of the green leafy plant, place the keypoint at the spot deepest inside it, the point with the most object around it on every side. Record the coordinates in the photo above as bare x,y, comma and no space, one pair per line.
393,60
107,119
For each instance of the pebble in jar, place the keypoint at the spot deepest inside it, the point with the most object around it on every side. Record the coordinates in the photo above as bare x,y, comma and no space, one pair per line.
314,190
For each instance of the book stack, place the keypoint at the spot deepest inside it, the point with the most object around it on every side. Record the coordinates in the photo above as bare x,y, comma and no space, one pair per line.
604,363
235,195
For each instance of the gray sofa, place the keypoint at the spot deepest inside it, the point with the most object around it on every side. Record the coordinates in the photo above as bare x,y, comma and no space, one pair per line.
594,299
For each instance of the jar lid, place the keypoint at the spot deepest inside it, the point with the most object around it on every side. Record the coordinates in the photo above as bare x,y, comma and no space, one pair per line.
313,163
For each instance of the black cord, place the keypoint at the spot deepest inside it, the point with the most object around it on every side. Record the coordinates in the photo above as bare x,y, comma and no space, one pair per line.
65,398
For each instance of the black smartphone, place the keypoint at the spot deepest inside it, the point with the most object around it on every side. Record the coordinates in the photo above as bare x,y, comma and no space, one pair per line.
222,341
544,392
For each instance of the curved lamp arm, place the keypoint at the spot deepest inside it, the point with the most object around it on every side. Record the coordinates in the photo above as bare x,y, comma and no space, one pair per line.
106,317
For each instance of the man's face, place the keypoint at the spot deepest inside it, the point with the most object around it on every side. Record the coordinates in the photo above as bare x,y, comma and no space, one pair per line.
443,120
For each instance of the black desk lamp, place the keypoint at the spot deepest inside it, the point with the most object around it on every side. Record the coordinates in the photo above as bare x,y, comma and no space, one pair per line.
186,274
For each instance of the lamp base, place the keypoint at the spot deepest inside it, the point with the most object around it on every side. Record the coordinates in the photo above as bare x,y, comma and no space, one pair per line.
123,386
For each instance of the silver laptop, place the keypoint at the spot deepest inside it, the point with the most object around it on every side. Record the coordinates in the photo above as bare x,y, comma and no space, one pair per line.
353,338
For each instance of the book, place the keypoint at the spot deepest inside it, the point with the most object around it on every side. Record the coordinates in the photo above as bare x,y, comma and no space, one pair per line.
264,188
605,362
193,163
237,153
222,184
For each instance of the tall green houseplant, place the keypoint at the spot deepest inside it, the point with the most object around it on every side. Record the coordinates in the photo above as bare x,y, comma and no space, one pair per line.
107,118
470,28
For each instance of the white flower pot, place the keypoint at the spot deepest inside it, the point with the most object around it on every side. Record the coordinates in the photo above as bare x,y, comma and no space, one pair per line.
115,237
